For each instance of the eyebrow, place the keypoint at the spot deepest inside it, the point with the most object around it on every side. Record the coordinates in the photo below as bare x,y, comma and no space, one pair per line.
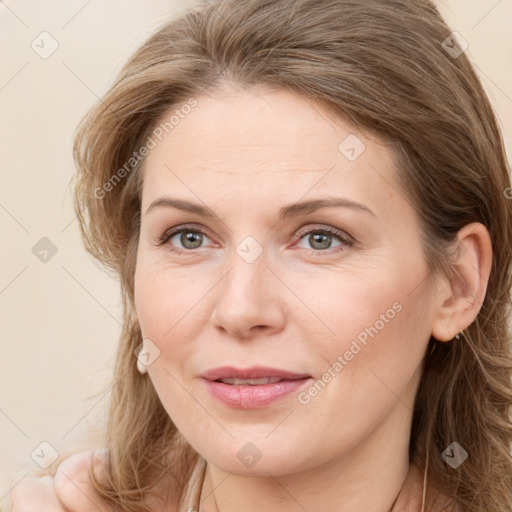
289,210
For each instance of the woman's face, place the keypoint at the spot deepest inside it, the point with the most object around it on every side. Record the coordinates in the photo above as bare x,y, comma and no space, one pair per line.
261,283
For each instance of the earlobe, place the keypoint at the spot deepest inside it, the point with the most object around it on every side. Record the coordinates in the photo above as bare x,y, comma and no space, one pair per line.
460,299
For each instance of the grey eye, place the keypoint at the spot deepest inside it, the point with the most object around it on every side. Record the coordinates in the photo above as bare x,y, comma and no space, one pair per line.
189,239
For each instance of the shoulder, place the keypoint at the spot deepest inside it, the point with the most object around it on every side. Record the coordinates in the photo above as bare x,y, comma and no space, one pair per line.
435,500
443,503
438,501
72,483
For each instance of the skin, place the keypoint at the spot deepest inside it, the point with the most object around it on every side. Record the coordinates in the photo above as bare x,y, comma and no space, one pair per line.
69,489
244,155
298,306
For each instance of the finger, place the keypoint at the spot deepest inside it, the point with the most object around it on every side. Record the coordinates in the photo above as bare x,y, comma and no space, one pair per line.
73,486
35,494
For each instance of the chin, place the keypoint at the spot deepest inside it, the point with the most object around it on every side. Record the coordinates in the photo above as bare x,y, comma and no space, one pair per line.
255,460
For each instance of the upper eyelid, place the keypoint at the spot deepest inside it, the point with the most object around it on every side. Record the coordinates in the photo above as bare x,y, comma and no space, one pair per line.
311,227
342,235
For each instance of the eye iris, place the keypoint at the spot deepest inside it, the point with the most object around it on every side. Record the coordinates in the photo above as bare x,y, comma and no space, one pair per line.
194,238
191,236
317,237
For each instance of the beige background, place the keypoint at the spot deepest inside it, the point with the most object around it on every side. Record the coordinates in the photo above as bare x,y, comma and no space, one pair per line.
59,320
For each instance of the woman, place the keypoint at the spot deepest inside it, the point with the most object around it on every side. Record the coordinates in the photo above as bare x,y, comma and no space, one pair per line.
307,205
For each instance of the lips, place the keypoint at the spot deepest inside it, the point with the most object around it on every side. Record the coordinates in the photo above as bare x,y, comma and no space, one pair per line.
250,382
254,373
253,388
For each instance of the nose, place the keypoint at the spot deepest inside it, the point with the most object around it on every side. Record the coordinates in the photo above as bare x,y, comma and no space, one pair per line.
249,300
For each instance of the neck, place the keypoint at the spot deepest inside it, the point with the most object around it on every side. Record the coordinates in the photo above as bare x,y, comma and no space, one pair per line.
375,476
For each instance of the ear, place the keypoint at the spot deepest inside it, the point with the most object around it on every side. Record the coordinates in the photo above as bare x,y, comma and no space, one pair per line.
460,298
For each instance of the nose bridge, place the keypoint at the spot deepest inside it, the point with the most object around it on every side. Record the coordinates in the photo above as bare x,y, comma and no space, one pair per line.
246,281
246,295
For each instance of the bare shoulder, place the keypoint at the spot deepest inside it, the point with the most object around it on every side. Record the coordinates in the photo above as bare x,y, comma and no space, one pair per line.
441,502
72,483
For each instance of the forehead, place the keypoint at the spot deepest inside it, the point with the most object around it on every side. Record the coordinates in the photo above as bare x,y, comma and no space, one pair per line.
273,142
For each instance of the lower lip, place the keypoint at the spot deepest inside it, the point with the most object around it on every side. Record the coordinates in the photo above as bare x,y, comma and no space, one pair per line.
253,397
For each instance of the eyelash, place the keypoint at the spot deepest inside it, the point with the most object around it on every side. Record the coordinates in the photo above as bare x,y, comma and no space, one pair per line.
344,239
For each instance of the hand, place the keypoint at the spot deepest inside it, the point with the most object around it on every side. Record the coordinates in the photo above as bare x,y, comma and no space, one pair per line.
69,490
35,495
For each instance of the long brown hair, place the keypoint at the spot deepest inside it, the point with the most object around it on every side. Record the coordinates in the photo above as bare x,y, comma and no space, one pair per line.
392,68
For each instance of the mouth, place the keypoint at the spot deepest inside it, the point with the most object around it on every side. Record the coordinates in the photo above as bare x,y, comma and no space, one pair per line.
252,388
251,376
251,382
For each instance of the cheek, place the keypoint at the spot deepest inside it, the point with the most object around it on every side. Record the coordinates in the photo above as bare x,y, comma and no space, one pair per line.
340,306
380,343
161,298
162,316
367,321
370,368
172,309
149,303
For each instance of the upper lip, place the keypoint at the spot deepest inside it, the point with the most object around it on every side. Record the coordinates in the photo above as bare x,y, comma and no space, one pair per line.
256,372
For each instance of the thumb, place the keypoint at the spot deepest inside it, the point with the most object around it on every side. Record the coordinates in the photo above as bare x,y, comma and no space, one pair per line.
72,483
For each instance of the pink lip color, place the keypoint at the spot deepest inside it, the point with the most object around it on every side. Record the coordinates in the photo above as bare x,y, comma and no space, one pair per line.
256,372
253,397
